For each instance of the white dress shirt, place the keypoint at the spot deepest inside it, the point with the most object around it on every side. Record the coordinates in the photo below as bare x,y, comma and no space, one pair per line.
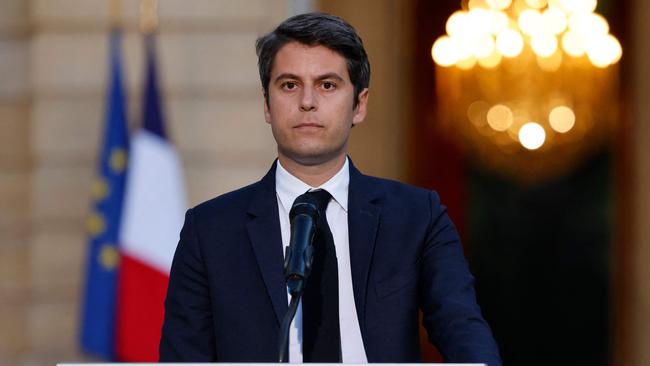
288,188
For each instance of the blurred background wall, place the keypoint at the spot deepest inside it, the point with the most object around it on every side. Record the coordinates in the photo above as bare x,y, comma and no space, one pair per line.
53,70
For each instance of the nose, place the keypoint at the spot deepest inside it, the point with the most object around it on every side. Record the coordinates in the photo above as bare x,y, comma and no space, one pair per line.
308,101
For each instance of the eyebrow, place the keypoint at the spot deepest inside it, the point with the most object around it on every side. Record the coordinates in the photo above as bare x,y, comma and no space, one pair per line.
329,75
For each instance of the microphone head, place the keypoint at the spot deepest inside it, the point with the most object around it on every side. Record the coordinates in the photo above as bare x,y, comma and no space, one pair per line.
305,205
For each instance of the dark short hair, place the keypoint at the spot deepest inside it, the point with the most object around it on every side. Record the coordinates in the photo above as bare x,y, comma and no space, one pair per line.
315,29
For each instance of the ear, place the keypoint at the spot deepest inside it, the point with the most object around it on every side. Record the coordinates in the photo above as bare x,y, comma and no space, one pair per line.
360,111
267,113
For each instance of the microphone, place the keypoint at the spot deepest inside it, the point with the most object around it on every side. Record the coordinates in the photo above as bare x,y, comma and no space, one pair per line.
299,255
298,260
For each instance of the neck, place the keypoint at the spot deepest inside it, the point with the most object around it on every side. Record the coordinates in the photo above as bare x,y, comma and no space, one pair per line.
314,175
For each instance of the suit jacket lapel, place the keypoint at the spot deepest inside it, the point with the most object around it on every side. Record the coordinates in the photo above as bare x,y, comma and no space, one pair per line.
266,239
363,222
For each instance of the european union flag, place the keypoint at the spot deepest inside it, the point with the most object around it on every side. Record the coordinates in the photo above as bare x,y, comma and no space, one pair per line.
98,317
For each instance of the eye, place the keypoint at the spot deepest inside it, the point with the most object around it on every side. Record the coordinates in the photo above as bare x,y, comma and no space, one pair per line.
329,85
289,85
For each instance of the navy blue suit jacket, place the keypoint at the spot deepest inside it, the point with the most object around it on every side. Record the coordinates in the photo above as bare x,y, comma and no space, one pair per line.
227,294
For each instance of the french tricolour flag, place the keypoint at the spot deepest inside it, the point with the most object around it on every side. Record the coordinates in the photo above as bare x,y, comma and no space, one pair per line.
152,216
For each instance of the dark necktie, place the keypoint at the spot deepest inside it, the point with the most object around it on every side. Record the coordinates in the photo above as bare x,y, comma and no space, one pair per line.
320,302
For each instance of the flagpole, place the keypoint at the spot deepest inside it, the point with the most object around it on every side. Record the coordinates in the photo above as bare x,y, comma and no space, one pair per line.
115,13
148,16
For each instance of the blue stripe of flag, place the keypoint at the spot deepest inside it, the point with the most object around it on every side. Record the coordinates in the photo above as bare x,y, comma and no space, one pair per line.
153,120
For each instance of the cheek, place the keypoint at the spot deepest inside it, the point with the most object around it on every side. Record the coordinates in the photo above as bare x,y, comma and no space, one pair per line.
280,109
344,116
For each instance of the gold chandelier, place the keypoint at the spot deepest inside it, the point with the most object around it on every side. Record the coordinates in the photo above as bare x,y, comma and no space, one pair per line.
528,86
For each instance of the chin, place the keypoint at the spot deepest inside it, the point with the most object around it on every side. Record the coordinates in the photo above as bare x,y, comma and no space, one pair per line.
312,157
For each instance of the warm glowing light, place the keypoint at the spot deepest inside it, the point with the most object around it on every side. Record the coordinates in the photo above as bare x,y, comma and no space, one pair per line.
498,21
530,22
477,4
562,119
589,25
616,48
444,52
537,4
485,46
500,117
510,43
517,7
467,63
477,111
491,61
499,4
479,21
532,136
464,47
573,44
579,6
604,51
544,45
554,4
456,23
550,64
554,20
520,89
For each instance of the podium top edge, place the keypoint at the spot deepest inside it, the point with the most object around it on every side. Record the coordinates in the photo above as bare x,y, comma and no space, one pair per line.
260,364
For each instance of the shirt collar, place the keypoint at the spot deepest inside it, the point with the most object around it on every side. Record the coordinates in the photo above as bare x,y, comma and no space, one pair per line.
289,187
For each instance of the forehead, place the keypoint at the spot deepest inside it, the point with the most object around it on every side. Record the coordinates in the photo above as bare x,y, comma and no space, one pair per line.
305,61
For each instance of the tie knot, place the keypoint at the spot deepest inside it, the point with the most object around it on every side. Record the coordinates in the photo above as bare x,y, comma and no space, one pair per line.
322,198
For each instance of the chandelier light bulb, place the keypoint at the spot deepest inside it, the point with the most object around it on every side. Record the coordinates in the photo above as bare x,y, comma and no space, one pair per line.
510,43
544,45
479,21
598,53
465,46
537,4
499,4
579,6
573,44
616,48
456,23
554,20
603,51
562,119
444,52
530,22
484,47
500,117
532,136
589,24
498,21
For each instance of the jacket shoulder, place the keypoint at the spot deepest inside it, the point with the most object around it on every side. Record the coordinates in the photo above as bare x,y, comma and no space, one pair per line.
229,204
403,193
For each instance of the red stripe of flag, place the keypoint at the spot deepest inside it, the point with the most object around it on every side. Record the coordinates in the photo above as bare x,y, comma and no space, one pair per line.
141,295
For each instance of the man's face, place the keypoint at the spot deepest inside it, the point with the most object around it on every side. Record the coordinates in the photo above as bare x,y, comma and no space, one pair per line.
310,104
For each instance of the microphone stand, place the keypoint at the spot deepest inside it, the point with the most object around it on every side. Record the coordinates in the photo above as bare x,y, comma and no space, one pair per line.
286,325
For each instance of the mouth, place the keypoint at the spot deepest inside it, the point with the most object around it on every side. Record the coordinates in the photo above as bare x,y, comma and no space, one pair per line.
308,126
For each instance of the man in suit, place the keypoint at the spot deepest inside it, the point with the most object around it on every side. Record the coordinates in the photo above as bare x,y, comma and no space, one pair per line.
384,251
